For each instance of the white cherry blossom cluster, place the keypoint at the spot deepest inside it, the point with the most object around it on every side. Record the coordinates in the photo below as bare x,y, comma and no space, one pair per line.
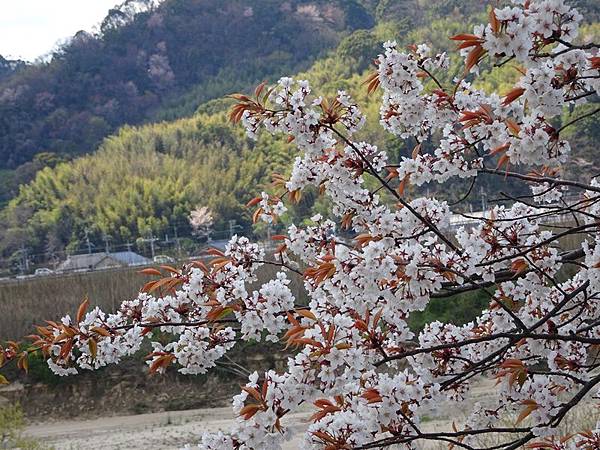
405,110
196,350
265,309
380,403
270,208
519,30
546,193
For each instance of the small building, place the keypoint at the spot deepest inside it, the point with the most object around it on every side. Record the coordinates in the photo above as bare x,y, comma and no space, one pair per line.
97,261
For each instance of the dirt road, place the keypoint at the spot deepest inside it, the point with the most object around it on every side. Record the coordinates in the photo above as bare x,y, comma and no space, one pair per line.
158,431
172,430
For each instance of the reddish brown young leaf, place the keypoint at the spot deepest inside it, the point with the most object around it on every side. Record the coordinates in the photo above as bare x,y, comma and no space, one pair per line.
306,313
519,266
255,201
66,349
474,57
416,151
323,436
402,186
148,286
361,325
296,196
308,341
259,89
504,160
23,362
215,252
101,331
253,393
494,22
157,284
500,149
465,37
249,410
151,271
240,97
256,215
93,347
467,44
372,82
82,309
530,406
343,346
372,396
512,126
512,95
171,269
292,319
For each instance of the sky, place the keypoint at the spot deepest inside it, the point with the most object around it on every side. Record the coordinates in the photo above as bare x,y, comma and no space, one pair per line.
31,28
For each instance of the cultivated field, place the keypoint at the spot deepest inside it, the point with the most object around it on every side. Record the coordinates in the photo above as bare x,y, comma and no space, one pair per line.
24,303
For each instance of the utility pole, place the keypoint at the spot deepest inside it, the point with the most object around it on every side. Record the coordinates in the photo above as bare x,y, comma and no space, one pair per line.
128,246
23,260
269,243
106,239
87,240
232,227
55,260
152,240
483,195
177,243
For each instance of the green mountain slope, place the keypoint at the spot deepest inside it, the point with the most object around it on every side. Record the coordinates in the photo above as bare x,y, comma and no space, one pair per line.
143,181
141,62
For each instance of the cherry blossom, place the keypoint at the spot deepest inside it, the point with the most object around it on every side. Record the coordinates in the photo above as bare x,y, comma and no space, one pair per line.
370,379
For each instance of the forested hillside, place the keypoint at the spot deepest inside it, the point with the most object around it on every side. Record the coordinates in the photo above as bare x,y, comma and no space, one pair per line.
144,179
142,62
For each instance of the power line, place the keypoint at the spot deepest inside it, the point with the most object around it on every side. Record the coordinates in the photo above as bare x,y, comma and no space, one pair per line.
23,260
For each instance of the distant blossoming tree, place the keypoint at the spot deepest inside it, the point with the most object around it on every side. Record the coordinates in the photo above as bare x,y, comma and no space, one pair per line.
371,381
201,221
